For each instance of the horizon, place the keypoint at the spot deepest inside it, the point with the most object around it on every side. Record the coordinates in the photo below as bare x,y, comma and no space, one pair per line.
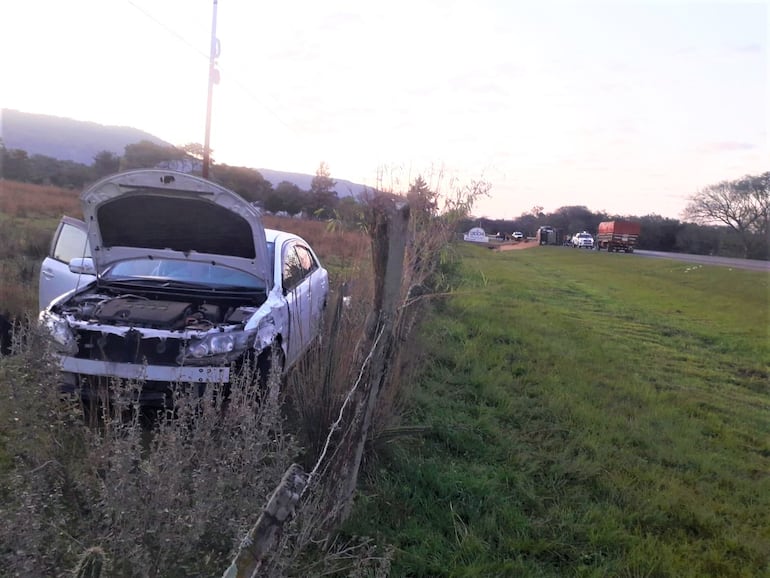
624,108
547,211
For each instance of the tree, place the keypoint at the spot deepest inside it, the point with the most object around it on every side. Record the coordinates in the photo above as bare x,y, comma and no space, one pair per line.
350,212
323,197
105,163
693,239
73,175
574,219
663,234
286,197
15,164
44,170
147,155
422,201
194,150
742,205
757,190
249,183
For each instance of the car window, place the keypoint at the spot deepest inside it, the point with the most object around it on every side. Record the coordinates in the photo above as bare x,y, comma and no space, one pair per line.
70,244
186,271
293,271
306,260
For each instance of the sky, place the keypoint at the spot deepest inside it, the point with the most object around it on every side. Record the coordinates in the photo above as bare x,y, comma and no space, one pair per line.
626,107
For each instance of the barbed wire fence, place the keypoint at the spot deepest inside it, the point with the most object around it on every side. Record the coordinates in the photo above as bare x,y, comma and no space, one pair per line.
328,490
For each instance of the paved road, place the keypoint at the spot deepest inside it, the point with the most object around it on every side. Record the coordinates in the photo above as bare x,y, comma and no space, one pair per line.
751,264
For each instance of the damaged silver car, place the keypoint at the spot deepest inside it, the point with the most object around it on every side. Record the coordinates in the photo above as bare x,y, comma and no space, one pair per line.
174,280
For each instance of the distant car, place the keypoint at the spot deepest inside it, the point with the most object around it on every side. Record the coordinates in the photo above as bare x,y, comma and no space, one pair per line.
176,281
583,240
518,235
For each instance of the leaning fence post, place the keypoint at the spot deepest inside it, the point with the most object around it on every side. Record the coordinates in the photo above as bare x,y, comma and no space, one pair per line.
262,537
388,248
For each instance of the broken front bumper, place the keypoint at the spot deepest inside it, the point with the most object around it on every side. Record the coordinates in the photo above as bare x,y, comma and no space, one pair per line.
172,374
153,386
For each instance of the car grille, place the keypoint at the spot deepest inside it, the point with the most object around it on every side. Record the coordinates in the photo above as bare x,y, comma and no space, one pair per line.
130,348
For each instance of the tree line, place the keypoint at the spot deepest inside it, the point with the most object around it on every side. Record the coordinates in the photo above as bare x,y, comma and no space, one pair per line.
320,201
730,218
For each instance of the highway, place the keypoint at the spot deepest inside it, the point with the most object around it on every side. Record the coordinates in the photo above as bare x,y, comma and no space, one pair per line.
751,264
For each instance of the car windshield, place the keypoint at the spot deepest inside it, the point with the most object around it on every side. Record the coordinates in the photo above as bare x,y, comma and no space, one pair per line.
188,272
584,236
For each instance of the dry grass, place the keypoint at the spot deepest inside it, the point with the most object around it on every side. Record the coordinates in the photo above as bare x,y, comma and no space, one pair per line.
28,200
28,216
334,246
164,501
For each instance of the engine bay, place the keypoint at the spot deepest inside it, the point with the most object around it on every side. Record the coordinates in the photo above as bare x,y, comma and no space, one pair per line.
148,327
155,312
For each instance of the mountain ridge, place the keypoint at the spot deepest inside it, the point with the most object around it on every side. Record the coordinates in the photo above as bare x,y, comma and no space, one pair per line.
80,141
66,139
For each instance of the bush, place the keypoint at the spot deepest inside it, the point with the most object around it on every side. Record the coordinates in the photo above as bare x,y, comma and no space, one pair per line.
162,495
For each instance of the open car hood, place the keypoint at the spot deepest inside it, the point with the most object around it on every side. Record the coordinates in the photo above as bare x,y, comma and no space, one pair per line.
166,214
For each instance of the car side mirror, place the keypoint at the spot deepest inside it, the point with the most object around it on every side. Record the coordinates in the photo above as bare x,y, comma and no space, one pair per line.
83,266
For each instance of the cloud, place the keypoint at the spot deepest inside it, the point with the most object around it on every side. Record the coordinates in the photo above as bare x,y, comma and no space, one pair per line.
751,48
726,147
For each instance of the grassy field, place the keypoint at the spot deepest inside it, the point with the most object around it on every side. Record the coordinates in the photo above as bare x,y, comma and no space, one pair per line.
577,414
586,415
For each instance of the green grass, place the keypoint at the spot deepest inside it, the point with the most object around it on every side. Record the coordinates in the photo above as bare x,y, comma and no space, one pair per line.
589,415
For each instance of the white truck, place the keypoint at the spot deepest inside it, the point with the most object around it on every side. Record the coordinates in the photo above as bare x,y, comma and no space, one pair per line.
583,240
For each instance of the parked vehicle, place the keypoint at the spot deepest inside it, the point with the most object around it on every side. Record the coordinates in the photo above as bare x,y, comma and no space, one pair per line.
618,236
547,235
517,235
175,281
582,240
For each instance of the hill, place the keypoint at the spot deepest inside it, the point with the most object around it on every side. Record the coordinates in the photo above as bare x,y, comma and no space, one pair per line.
67,139
64,138
344,188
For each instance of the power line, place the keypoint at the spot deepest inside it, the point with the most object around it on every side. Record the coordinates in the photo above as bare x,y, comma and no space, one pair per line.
246,90
168,29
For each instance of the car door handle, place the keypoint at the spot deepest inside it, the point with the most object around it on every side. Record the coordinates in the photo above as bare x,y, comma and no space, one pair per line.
47,273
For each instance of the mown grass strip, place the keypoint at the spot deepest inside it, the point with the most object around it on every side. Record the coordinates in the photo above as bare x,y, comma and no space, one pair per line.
589,415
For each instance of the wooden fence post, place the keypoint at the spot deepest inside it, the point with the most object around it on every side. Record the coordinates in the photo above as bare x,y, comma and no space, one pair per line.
388,251
263,536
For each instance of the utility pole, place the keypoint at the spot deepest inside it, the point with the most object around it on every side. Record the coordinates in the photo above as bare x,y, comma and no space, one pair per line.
213,79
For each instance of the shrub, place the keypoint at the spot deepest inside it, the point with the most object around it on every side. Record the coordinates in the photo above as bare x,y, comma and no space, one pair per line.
162,495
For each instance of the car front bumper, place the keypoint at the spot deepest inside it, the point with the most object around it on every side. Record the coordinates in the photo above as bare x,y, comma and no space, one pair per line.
171,374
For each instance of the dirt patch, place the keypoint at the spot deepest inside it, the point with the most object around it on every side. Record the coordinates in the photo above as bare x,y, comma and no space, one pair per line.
516,246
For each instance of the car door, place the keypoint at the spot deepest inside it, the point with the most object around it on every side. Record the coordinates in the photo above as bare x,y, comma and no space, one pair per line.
69,242
317,282
296,291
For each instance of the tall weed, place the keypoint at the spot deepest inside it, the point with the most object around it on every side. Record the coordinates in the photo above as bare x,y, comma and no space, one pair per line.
173,499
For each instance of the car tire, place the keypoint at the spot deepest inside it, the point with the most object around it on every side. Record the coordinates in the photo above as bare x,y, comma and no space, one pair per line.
270,360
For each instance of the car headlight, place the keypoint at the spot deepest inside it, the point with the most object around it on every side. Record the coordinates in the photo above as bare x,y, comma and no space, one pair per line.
219,344
59,332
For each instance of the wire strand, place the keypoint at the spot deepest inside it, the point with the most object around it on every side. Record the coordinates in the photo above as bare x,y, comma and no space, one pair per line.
338,421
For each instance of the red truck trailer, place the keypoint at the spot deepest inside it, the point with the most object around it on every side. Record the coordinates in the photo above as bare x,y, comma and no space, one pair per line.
617,236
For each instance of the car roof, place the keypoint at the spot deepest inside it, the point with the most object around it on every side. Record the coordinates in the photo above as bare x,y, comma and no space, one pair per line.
273,235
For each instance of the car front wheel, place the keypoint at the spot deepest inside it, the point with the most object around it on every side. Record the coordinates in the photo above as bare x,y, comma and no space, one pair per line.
270,361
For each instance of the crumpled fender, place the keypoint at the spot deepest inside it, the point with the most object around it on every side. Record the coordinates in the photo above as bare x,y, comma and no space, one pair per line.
271,322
